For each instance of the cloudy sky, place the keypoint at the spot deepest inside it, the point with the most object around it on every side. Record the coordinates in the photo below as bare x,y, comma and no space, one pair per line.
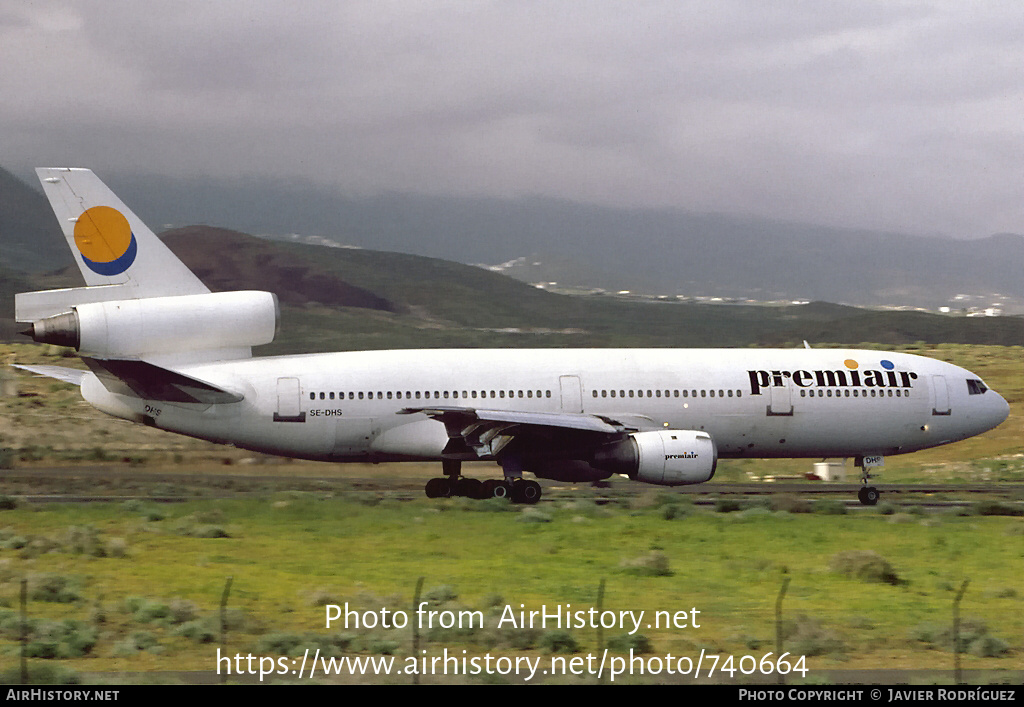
890,115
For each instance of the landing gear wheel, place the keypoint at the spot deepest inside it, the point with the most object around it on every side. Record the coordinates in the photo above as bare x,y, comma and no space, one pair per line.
438,488
868,495
495,489
526,492
470,488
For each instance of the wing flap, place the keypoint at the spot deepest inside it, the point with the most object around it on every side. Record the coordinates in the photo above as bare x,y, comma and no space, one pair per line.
575,421
151,382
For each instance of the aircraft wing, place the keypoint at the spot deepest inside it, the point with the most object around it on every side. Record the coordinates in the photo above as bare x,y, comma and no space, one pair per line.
68,375
478,433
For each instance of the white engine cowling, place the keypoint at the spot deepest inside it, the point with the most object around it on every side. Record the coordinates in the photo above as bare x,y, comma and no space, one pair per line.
664,457
160,325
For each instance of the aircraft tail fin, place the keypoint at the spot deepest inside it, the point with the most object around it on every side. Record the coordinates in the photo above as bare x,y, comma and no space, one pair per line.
112,246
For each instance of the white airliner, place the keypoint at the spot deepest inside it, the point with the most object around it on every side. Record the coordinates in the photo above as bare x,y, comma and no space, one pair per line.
166,352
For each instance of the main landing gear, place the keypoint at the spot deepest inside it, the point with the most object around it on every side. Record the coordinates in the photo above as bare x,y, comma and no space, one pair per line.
516,489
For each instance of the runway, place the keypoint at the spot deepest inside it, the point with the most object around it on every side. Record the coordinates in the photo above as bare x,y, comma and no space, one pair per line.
104,483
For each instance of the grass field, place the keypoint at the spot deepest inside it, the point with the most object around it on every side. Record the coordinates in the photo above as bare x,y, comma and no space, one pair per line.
139,583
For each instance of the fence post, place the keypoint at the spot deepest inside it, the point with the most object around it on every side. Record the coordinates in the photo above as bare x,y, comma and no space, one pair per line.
778,625
600,627
224,625
416,629
956,631
24,631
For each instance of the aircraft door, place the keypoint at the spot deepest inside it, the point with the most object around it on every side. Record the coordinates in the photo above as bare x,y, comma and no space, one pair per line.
780,400
940,396
571,392
289,401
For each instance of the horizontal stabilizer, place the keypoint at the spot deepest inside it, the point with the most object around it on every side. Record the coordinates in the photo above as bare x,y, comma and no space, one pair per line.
151,382
32,306
68,375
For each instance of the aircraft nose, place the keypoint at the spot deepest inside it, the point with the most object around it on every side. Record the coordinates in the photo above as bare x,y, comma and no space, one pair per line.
998,410
1004,409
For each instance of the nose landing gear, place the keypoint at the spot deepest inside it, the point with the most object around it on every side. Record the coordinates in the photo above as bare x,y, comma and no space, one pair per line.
868,495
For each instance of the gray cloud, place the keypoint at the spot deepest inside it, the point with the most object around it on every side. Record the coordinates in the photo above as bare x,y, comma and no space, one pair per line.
894,115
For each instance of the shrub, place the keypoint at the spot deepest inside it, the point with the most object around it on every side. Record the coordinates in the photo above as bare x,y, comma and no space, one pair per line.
41,674
624,643
653,564
830,507
807,636
790,504
727,505
995,508
974,638
671,511
199,631
55,588
866,565
440,595
559,641
534,515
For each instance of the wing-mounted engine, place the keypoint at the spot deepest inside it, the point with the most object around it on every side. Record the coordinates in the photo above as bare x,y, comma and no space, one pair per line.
664,457
163,325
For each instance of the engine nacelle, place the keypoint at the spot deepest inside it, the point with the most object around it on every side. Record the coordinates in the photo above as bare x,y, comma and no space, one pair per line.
664,457
160,325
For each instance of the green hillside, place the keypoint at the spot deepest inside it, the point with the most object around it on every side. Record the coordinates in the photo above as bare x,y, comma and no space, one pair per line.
30,239
347,299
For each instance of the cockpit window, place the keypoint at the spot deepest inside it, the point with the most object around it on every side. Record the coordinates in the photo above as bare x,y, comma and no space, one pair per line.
975,386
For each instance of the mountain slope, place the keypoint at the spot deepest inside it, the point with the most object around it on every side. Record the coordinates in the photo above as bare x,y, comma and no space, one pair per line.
30,239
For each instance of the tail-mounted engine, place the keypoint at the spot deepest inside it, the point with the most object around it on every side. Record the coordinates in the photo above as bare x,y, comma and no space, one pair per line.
160,325
665,457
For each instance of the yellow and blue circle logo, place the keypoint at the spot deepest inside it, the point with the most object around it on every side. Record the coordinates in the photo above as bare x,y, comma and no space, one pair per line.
105,240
